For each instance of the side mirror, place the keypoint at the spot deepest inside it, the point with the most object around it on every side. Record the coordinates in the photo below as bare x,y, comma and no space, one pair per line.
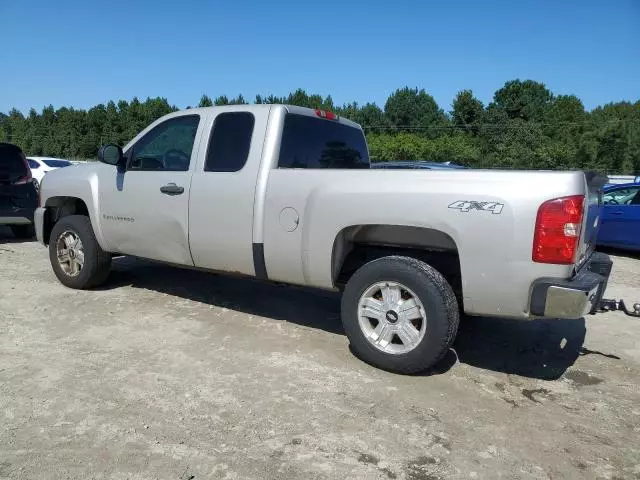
112,155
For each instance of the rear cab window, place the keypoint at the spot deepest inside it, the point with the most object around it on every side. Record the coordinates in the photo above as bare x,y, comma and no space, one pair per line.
12,163
318,143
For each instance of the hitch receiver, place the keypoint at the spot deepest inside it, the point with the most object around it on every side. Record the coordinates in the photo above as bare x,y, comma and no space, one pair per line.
611,305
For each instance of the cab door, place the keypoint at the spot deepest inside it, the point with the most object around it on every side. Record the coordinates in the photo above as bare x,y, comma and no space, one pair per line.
145,210
223,190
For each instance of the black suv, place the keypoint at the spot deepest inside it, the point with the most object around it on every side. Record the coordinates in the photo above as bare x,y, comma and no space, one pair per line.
18,194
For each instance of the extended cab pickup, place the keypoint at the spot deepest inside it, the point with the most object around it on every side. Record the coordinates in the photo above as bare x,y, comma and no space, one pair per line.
286,194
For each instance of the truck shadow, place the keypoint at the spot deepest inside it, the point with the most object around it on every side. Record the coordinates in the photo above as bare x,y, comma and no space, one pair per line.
541,349
6,236
302,306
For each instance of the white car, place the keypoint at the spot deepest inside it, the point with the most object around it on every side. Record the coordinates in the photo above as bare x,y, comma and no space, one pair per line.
41,165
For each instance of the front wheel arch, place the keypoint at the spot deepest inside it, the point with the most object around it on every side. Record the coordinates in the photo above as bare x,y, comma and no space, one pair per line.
60,207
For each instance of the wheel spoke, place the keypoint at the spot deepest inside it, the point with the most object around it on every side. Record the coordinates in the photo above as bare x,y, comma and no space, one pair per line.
408,334
409,310
383,334
70,253
80,258
387,315
391,296
373,308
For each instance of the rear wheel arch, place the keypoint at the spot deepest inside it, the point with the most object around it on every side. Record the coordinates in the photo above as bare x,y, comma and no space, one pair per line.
356,245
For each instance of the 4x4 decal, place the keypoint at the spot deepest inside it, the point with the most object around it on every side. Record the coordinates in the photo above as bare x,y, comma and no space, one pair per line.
467,205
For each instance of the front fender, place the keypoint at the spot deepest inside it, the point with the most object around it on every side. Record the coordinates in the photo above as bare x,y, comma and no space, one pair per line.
78,182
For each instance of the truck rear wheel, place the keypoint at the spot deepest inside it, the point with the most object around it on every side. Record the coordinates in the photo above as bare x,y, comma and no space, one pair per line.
75,255
399,314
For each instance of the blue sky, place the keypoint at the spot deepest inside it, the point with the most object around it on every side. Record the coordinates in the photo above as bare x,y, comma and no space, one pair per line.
80,53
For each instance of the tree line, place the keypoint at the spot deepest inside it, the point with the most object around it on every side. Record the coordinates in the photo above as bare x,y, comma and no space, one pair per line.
525,126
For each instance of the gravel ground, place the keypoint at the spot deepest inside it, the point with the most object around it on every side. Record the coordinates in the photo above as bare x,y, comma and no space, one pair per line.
177,374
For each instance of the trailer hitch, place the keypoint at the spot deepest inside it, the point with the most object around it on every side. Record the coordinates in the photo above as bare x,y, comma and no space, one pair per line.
611,305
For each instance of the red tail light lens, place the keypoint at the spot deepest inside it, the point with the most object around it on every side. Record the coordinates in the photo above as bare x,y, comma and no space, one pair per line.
27,178
23,180
558,228
327,115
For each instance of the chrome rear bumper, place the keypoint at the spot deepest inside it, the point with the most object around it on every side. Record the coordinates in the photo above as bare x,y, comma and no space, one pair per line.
575,297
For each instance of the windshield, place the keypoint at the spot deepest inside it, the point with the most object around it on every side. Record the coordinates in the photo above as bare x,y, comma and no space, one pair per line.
56,163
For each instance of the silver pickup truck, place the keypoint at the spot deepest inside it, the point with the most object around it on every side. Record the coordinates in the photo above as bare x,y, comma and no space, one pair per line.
286,194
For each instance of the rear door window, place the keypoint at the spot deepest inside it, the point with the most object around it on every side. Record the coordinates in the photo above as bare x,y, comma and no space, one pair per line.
230,142
310,142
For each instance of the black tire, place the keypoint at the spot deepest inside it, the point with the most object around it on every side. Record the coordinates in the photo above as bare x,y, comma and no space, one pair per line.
97,262
432,289
24,232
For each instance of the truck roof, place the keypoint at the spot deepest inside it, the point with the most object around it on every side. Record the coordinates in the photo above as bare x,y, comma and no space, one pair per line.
266,106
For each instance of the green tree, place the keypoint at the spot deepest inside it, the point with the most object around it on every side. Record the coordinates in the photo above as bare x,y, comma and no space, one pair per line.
205,101
239,100
466,111
526,126
410,107
526,100
221,100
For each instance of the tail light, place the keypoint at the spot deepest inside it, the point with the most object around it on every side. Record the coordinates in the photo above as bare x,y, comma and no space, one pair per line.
558,228
26,178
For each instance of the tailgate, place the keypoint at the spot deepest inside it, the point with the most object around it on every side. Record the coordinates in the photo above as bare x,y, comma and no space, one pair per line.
593,214
17,196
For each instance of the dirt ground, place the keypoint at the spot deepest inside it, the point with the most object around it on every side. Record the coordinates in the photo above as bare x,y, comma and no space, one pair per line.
176,374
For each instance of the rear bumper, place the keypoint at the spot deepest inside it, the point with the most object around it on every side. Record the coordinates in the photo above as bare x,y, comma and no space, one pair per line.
16,216
575,297
38,221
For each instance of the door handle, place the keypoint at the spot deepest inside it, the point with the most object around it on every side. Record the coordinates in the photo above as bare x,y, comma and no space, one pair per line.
172,189
619,212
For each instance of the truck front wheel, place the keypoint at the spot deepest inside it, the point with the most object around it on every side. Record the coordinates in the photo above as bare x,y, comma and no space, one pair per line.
75,255
399,314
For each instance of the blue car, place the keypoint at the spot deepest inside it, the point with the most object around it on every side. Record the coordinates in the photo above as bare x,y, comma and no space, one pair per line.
620,226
